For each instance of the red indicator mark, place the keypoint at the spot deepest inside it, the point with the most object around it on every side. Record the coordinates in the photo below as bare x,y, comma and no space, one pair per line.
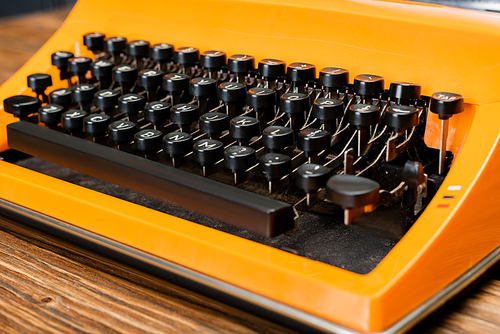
443,205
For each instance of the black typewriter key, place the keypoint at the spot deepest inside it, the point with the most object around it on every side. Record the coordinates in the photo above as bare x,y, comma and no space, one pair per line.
21,106
186,57
332,79
175,84
353,194
72,120
213,61
263,102
79,66
276,138
368,86
60,60
274,167
177,144
400,118
327,111
244,128
213,124
122,132
126,76
83,94
299,74
364,115
404,92
102,70
107,100
50,115
271,69
295,105
61,96
38,83
184,114
94,41
116,46
313,141
96,125
238,159
445,105
233,95
312,177
151,80
138,49
202,89
131,104
162,52
241,65
157,112
148,141
208,152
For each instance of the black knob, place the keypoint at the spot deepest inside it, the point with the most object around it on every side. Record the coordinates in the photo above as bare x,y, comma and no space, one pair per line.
213,123
39,82
202,87
157,112
351,191
150,79
208,151
259,98
162,52
401,118
138,48
21,105
102,69
239,158
405,91
327,110
176,83
125,74
131,104
312,141
300,73
447,104
60,59
122,132
79,65
275,166
312,177
96,124
243,128
294,103
271,69
116,45
61,96
213,60
72,120
148,140
177,144
364,115
106,99
241,64
232,92
50,114
84,93
94,41
277,137
184,114
186,55
368,85
333,78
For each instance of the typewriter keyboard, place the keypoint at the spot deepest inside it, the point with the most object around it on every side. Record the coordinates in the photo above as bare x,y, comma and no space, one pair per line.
288,155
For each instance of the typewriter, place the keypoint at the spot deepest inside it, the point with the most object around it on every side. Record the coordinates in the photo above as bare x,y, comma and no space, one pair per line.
329,165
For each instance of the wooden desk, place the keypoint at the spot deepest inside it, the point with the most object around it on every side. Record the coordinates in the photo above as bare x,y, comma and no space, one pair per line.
47,285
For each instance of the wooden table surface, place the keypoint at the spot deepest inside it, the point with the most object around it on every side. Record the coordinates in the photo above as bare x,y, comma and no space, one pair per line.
47,285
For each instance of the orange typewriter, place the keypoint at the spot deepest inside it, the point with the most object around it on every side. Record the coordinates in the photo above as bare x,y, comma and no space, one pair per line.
330,165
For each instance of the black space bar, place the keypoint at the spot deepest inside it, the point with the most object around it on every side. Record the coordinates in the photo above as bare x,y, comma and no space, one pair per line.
228,204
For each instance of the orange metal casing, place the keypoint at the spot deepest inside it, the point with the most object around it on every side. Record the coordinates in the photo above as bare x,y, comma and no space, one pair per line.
444,49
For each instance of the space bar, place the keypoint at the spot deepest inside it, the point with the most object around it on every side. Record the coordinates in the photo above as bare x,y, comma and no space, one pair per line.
231,205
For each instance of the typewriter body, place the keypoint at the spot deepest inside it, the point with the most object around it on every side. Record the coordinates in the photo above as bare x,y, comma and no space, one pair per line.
406,214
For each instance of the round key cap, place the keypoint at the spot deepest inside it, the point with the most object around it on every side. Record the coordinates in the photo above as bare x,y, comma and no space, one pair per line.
232,92
271,69
150,79
138,48
94,41
186,55
294,103
122,132
275,166
177,144
50,114
79,65
148,140
39,82
116,45
243,128
368,85
312,141
213,60
401,118
333,78
131,104
184,114
327,110
208,151
61,96
84,93
60,59
277,137
213,123
364,115
239,158
96,125
106,99
102,69
351,191
405,90
446,104
312,177
202,87
259,98
125,74
162,52
241,64
21,105
300,73
72,120
157,112
176,83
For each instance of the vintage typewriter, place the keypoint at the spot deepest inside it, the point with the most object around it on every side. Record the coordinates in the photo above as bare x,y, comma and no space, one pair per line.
330,165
